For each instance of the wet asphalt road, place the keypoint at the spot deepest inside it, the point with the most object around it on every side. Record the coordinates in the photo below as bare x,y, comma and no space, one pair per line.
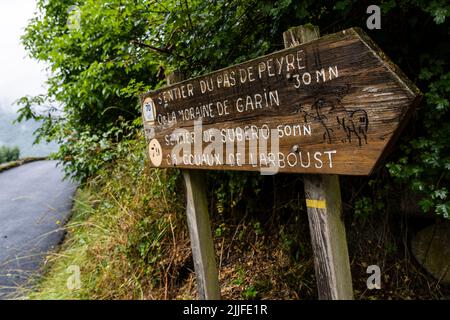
35,203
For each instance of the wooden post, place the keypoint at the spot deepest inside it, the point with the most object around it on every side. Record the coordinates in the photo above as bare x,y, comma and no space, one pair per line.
349,122
199,227
323,202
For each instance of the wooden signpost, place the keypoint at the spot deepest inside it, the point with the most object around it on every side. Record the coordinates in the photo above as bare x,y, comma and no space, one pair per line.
199,227
323,106
325,215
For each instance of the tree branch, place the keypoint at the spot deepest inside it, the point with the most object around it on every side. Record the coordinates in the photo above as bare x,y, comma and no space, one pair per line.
166,50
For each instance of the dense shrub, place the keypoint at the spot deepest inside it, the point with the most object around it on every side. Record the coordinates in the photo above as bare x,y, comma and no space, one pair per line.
9,154
113,50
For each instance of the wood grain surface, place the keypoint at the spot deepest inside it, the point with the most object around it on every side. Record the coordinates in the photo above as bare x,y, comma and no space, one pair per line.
328,106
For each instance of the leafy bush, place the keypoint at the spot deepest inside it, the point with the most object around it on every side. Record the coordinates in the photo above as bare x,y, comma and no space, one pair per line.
425,162
118,50
86,153
9,154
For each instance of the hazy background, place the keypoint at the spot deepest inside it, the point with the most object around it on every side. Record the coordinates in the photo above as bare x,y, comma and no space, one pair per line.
19,76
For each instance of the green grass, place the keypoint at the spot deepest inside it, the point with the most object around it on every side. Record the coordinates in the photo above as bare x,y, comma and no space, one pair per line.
124,236
129,238
72,253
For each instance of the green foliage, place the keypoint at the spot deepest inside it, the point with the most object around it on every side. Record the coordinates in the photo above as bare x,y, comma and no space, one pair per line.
425,161
8,154
91,65
363,208
116,50
103,53
232,188
366,207
86,153
250,293
422,162
126,227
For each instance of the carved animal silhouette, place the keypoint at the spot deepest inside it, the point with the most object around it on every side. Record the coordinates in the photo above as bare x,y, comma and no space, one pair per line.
355,123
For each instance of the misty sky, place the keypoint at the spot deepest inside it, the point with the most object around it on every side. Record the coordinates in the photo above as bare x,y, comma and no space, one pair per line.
19,75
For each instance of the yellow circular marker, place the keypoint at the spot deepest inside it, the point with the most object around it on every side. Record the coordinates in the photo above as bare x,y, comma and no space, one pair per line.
155,152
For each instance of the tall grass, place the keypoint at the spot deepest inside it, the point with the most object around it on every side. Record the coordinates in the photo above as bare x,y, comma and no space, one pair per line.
127,235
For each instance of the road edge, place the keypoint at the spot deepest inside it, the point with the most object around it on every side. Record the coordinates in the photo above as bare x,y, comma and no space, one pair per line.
16,163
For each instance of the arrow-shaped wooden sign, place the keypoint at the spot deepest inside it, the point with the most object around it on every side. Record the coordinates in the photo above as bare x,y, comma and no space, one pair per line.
329,106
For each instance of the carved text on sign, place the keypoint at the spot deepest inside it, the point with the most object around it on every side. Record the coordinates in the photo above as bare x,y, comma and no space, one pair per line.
327,106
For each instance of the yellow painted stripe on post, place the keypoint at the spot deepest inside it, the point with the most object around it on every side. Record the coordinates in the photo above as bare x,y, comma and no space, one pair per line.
319,204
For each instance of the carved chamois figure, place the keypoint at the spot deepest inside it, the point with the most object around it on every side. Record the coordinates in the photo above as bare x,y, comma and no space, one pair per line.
354,123
320,111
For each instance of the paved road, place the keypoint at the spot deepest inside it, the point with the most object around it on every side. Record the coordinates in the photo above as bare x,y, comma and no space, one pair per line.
34,205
